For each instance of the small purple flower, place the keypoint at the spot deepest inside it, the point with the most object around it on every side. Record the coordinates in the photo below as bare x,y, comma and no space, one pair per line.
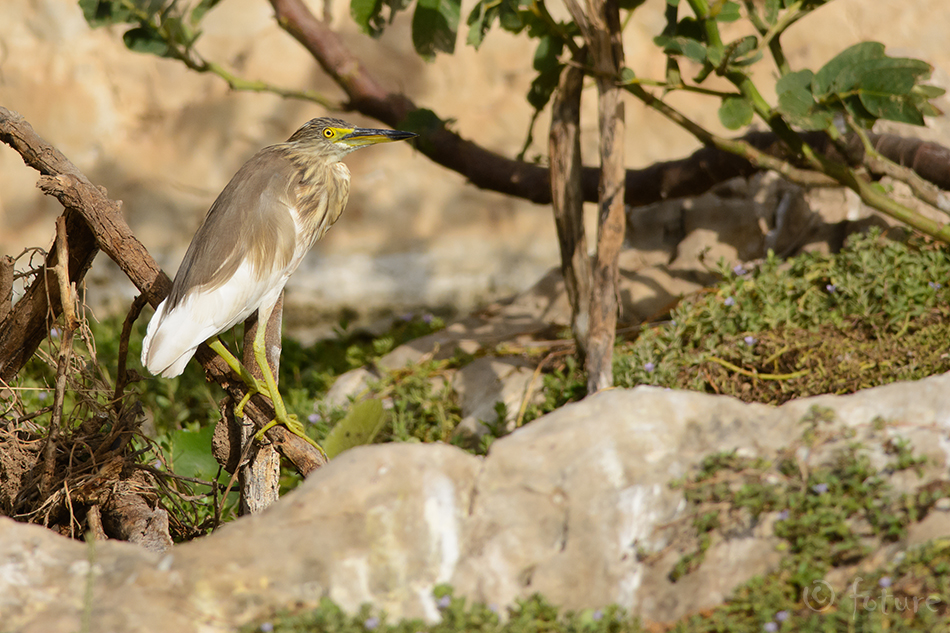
730,301
313,418
884,582
267,627
781,616
493,608
831,288
738,270
444,602
54,332
934,285
649,367
371,623
427,318
42,396
750,340
820,488
770,627
783,515
597,616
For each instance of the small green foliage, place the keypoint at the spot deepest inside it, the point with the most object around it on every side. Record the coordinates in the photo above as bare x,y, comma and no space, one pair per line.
904,458
425,408
814,324
165,29
531,615
826,514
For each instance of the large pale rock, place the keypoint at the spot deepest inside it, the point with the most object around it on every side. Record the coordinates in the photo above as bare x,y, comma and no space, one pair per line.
562,507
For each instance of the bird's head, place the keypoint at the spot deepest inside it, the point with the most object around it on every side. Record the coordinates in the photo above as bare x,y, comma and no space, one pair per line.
333,137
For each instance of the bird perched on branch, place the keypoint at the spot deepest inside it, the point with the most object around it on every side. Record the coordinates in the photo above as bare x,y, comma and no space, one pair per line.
254,237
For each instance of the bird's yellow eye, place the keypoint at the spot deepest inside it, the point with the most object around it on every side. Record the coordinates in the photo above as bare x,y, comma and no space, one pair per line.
328,133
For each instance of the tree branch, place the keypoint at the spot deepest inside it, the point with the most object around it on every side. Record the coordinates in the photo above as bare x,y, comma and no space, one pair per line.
484,169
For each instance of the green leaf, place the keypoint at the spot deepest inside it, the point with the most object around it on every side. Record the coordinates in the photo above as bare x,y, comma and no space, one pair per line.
827,79
143,39
771,11
104,12
435,26
201,9
857,110
512,19
368,14
681,45
928,92
191,453
548,65
547,53
673,75
365,14
889,75
729,12
741,48
798,105
715,55
735,112
794,92
361,425
884,87
480,20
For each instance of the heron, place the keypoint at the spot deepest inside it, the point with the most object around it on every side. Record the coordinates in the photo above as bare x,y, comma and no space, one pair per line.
253,238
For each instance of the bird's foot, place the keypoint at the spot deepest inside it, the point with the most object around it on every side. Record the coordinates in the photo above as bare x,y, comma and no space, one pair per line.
294,426
254,387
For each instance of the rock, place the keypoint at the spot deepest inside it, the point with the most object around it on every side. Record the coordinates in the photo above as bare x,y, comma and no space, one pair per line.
484,383
564,506
349,385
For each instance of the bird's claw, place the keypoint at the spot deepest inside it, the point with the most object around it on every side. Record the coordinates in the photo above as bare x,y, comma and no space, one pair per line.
256,387
292,423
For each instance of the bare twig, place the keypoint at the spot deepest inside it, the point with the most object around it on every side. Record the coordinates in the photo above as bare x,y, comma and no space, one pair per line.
67,298
121,378
6,285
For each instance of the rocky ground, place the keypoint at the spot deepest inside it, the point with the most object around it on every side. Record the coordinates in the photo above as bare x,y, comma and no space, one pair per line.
576,506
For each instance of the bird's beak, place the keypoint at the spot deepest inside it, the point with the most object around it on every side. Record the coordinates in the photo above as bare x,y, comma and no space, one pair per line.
361,137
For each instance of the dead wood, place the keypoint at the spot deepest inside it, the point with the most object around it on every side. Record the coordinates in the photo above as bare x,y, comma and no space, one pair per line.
568,202
94,221
130,513
599,23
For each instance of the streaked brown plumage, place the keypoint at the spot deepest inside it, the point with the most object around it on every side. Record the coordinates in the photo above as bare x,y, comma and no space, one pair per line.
254,237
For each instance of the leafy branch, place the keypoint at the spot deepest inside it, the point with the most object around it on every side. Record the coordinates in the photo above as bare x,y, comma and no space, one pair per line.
172,32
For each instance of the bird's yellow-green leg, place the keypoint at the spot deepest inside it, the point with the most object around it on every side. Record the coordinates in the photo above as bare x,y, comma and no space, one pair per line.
253,384
280,411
